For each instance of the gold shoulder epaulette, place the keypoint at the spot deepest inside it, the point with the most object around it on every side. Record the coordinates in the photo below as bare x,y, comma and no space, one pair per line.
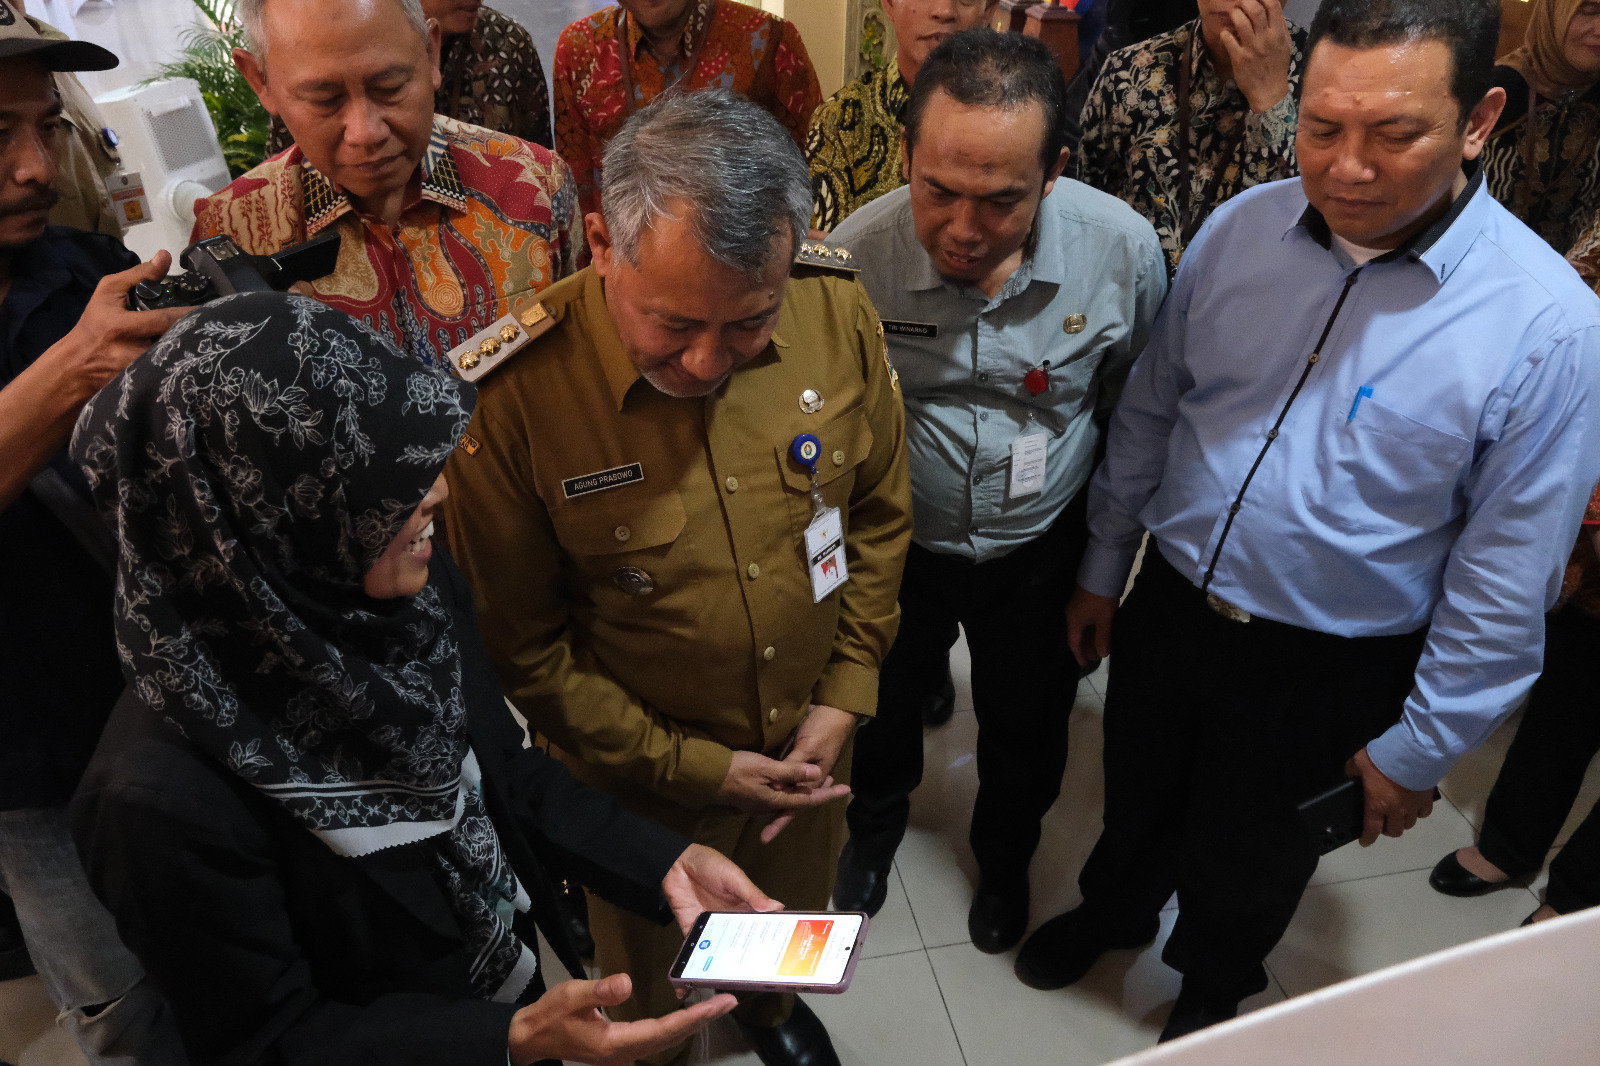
488,348
817,254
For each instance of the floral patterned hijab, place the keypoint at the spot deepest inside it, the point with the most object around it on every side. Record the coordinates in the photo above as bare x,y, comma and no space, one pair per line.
1542,59
254,464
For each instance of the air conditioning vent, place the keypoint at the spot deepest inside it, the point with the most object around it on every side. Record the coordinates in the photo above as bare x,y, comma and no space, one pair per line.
183,135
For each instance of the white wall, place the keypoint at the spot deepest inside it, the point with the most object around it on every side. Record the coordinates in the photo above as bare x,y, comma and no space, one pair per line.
142,33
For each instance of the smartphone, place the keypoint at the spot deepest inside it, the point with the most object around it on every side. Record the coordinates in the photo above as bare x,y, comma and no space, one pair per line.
785,951
1335,817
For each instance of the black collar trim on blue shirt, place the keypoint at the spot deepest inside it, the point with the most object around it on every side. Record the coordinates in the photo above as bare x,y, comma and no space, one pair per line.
1418,246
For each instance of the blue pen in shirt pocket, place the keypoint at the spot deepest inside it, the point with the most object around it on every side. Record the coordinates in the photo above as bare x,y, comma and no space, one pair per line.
1361,394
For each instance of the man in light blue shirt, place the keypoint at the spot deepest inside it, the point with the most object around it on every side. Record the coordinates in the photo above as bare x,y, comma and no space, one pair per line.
1361,439
1013,304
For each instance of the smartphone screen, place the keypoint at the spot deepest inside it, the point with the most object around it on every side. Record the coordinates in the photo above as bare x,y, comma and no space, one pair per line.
801,949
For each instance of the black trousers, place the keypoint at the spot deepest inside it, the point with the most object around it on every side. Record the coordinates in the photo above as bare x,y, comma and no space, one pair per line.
1023,686
1214,731
1559,736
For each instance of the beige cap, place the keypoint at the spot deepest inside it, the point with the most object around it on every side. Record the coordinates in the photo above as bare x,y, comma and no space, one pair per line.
18,39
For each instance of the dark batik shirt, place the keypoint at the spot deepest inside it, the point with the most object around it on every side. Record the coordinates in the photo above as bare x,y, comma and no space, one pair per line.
1131,136
1559,195
854,145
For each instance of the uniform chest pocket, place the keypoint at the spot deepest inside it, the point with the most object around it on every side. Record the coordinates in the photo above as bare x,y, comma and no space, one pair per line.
846,441
1385,472
630,554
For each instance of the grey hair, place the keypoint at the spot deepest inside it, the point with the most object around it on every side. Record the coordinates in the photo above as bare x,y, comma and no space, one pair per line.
744,183
250,12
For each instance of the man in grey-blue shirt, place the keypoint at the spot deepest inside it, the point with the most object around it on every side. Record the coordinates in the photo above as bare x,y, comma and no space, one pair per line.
1013,303
1361,439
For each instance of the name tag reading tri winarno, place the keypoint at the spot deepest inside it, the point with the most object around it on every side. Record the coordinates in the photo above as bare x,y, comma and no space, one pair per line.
909,329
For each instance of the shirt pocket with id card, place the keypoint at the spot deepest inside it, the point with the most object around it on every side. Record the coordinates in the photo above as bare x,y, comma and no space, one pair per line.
845,441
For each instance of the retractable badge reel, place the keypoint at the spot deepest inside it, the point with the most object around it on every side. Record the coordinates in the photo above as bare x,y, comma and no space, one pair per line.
825,534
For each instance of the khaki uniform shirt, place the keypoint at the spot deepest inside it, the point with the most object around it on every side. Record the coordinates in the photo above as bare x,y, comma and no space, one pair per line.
87,158
653,690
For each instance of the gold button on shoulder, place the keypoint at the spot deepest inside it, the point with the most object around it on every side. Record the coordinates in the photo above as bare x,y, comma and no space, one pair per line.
772,715
732,483
470,360
754,570
838,458
623,532
509,333
769,654
489,346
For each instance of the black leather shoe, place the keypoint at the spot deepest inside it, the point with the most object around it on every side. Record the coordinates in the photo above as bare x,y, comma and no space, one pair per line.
862,885
940,705
800,1041
1199,1007
998,917
1453,879
1063,949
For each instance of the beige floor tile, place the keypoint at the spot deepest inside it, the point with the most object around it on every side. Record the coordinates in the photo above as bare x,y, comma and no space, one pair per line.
28,1033
892,1015
1118,1009
1433,837
893,930
1354,927
1468,784
935,861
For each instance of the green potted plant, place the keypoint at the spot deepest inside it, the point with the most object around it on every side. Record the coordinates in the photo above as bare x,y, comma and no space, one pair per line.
207,57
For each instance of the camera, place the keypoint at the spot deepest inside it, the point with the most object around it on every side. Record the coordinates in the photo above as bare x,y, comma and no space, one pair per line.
217,267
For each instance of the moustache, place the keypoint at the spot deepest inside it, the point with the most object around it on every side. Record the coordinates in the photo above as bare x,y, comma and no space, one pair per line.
40,200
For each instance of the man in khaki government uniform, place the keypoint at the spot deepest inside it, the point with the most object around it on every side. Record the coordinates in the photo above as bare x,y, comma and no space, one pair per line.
629,509
89,156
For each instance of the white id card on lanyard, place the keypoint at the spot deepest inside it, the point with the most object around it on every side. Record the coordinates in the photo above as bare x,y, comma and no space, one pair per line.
1027,464
825,553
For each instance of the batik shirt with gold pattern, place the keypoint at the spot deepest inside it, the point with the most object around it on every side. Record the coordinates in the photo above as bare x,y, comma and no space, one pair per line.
493,221
854,145
734,46
1131,137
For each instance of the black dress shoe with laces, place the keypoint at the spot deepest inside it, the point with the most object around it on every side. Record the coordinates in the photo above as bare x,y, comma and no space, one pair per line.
862,884
800,1041
998,917
1200,1007
1453,879
1063,949
941,704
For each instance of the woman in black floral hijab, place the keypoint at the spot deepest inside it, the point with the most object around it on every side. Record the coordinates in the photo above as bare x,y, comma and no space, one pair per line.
271,469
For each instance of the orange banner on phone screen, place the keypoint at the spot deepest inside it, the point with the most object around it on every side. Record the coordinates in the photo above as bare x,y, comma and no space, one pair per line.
805,948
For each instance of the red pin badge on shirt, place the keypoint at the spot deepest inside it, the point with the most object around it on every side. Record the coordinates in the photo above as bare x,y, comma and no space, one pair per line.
1037,379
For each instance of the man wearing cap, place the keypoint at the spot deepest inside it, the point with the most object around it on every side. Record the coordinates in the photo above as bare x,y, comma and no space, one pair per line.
64,332
1014,302
684,509
89,155
445,227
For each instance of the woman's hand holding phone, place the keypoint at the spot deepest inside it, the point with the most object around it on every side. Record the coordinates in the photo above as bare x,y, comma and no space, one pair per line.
703,879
